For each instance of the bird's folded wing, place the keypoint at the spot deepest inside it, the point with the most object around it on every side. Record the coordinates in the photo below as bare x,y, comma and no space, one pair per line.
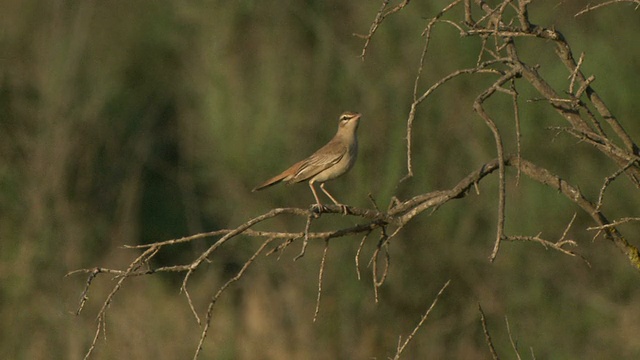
316,164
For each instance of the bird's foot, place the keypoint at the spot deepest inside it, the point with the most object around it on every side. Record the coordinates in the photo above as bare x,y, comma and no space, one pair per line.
317,210
344,209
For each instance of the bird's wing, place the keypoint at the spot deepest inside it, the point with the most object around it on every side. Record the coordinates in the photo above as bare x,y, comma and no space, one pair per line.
317,163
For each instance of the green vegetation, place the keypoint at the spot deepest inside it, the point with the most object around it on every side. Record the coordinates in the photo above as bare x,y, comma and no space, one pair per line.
124,123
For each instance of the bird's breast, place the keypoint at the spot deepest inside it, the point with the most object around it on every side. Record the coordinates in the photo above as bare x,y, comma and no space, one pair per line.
342,166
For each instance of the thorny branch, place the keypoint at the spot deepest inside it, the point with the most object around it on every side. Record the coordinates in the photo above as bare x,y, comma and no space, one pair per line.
487,336
420,323
590,7
514,343
505,22
380,16
399,215
497,28
489,341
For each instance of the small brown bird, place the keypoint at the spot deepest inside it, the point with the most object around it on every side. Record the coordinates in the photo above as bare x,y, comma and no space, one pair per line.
331,161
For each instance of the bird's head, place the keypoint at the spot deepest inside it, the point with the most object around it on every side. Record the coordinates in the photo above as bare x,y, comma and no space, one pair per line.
349,121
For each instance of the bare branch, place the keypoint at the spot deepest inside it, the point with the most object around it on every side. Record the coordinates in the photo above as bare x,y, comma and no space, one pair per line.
306,237
320,273
608,180
499,23
380,16
516,115
478,107
514,346
416,101
357,258
487,336
378,281
590,7
422,320
84,296
399,215
572,77
613,224
214,299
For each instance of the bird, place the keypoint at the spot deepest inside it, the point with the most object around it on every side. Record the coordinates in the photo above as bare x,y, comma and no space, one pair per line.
329,162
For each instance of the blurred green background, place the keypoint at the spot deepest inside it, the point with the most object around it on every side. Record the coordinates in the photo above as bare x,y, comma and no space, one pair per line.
127,122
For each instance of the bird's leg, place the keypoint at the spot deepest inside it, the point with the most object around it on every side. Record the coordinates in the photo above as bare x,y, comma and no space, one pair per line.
343,207
315,195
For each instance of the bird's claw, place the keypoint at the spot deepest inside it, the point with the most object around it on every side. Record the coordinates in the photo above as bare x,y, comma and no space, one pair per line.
318,209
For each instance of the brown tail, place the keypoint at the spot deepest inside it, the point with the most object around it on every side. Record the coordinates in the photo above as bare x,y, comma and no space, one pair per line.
285,175
274,180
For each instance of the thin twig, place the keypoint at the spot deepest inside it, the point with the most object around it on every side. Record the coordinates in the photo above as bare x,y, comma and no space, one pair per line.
608,180
478,107
513,342
557,245
320,274
590,7
487,336
84,295
191,306
102,313
380,16
613,224
574,73
377,282
306,237
422,320
516,114
358,253
222,289
416,101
